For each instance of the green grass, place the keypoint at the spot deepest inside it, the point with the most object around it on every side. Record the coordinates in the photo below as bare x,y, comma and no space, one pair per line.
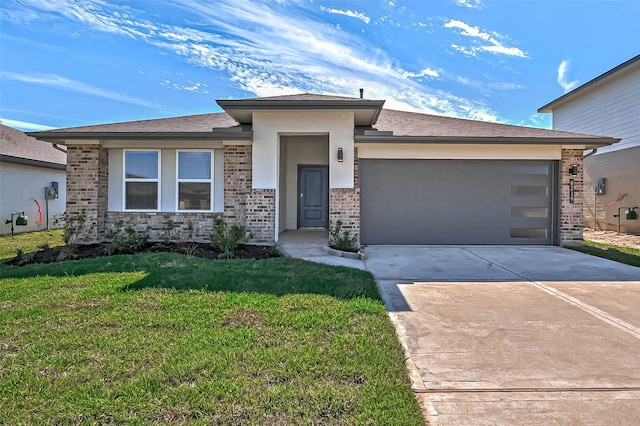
155,338
630,256
28,242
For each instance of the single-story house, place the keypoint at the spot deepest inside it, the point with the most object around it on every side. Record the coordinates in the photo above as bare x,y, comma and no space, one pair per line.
607,105
297,161
32,181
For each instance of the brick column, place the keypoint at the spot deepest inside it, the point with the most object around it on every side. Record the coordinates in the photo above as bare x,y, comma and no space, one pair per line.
261,216
87,182
237,182
344,203
571,214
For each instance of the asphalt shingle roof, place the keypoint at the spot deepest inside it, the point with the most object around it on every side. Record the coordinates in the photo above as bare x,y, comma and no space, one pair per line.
189,123
15,144
404,123
401,123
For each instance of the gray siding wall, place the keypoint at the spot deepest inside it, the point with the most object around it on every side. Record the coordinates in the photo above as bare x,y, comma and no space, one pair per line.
608,109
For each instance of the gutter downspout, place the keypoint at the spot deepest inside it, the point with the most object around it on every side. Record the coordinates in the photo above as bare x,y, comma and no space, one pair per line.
591,153
55,145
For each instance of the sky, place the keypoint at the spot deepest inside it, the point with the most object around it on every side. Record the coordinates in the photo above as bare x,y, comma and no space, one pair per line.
66,63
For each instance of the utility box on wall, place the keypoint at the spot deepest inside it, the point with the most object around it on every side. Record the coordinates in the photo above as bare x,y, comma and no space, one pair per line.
598,188
51,192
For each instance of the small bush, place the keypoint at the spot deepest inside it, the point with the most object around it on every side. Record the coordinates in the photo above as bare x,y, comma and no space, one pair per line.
226,238
341,239
122,239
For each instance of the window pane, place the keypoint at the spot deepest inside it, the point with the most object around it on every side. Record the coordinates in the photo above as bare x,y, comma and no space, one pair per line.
141,164
529,169
194,196
194,165
528,212
141,196
529,191
539,233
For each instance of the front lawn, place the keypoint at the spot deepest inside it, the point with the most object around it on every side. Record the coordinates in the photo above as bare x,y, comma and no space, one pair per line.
630,256
29,242
155,338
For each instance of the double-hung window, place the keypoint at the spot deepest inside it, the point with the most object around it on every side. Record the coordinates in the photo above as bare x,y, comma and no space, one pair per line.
195,180
141,180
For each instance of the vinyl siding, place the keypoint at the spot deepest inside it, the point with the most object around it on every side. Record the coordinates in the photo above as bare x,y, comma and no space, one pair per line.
611,108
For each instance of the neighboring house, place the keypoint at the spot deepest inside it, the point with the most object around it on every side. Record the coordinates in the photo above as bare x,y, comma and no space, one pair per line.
27,167
607,105
289,162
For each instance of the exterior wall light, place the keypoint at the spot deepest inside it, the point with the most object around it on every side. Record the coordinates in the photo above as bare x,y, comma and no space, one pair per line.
340,155
573,170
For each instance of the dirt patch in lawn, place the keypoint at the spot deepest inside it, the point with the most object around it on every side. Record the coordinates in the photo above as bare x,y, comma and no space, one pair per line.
612,237
203,250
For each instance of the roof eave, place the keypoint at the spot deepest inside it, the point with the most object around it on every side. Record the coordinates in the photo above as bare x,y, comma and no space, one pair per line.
241,109
61,137
32,162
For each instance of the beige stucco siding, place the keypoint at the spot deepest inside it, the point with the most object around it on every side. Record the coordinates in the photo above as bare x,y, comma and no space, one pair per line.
459,152
269,126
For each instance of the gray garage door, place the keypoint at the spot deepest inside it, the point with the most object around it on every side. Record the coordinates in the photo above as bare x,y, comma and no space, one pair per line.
456,201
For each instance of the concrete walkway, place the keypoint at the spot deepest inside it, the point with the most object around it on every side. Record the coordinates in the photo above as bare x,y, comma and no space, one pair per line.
307,245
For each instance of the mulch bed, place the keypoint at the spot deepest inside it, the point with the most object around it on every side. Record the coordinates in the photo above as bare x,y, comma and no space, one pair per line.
203,250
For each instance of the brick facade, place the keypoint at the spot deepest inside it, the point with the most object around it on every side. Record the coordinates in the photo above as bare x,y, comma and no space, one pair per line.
87,200
571,218
261,215
344,203
237,182
87,181
172,227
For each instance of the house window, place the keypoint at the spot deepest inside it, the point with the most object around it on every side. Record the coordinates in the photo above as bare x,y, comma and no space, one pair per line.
141,180
195,180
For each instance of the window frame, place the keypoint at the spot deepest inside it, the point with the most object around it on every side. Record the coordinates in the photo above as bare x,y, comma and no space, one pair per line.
210,181
126,180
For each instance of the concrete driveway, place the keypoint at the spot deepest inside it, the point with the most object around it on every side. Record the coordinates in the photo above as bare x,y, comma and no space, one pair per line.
515,335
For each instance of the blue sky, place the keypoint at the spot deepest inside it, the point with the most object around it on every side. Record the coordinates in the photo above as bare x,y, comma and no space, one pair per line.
70,63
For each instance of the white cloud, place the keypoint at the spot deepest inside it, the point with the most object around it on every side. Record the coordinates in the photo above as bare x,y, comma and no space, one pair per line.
191,86
483,41
563,79
473,4
350,13
23,125
53,80
427,72
267,48
492,85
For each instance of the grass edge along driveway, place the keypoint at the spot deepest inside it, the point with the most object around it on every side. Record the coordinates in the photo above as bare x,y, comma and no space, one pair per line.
157,338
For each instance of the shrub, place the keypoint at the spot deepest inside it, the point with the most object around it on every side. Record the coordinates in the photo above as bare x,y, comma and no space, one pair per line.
122,239
341,239
226,238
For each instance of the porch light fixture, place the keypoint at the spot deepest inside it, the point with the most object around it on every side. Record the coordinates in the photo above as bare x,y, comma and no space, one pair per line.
340,155
573,170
